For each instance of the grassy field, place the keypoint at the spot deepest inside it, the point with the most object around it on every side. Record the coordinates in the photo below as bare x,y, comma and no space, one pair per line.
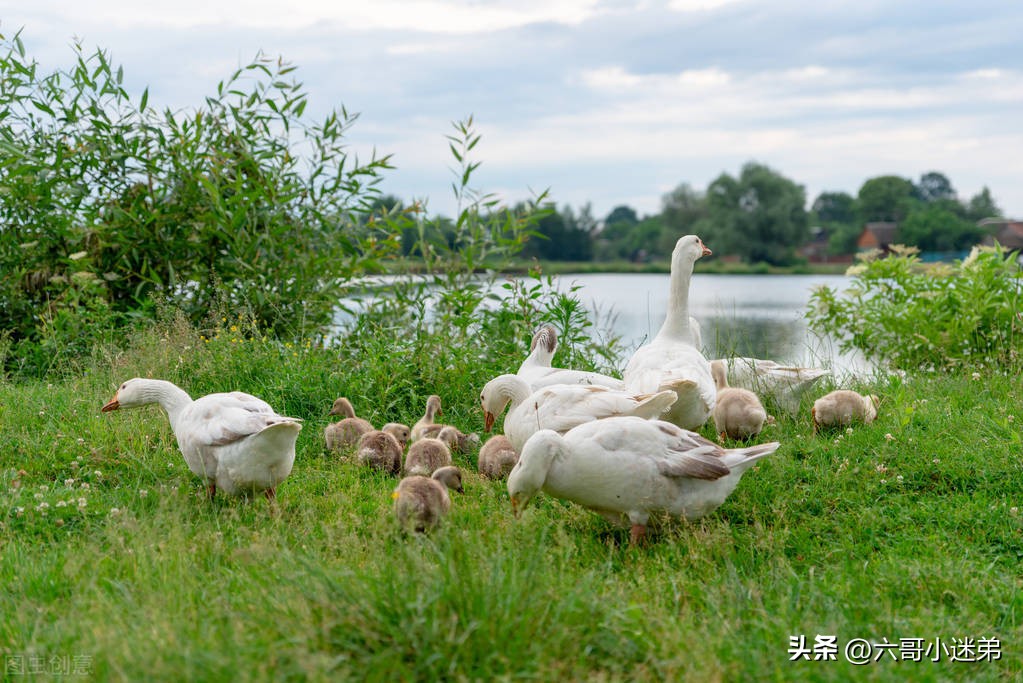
113,563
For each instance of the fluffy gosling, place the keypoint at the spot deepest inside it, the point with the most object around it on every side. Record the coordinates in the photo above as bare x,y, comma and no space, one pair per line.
381,450
497,457
426,456
433,409
841,408
421,502
738,413
346,432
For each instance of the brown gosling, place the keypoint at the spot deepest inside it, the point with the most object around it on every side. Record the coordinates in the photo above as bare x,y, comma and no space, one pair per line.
398,431
843,407
497,457
421,502
738,413
380,450
458,441
433,409
346,432
426,456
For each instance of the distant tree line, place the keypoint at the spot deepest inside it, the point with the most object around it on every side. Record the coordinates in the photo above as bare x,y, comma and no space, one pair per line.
761,216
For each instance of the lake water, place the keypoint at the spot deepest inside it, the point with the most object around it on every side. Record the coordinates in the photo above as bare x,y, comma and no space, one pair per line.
742,315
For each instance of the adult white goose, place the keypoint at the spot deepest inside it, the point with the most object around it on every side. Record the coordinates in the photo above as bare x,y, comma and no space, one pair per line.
627,469
538,372
672,361
786,384
561,406
234,441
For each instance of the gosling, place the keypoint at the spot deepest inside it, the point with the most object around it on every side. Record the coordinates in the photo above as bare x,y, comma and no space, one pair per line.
497,457
421,502
843,407
346,432
398,431
458,441
433,409
738,413
426,456
380,450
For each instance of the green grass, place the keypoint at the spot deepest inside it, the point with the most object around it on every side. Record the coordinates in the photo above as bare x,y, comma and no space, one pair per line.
906,528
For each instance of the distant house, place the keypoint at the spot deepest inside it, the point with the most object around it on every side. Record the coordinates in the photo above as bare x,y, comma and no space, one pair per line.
877,236
1007,233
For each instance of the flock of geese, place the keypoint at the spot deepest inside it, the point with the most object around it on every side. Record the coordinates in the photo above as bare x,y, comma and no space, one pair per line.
623,448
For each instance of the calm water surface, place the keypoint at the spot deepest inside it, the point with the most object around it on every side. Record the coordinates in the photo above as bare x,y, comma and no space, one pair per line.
745,315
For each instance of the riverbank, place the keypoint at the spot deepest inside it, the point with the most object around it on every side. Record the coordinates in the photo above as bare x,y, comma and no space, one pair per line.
892,533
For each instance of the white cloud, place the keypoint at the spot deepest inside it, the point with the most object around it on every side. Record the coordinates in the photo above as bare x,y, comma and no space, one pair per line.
427,16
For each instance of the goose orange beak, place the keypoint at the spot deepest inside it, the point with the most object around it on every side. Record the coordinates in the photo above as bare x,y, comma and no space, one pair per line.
112,404
488,421
706,251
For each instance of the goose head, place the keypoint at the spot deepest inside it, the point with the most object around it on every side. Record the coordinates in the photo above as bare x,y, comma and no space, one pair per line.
433,407
399,431
138,392
498,393
689,248
342,407
450,476
530,472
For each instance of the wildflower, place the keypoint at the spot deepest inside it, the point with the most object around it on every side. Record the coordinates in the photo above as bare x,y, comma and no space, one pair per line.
85,485
975,375
848,430
39,496
114,512
61,503
82,502
935,461
42,413
44,487
143,493
69,482
81,441
898,478
98,473
74,464
19,511
1011,418
884,481
889,437
1014,510
881,468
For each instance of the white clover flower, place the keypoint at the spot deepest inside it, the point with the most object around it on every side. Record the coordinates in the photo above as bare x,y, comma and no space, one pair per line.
898,478
85,485
39,496
81,441
69,482
143,493
114,511
19,511
82,502
1014,510
889,437
74,464
848,430
98,473
61,503
975,375
44,487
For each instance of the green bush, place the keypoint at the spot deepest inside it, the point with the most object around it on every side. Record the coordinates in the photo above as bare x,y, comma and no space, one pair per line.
918,316
109,205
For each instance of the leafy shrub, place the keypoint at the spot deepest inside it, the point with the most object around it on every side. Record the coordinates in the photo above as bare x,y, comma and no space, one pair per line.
928,316
110,205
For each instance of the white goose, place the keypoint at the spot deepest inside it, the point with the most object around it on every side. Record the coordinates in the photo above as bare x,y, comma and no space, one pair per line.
235,441
561,406
536,370
672,361
786,384
626,469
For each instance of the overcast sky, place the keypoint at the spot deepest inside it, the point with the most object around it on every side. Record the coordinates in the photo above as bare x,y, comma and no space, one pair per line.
604,101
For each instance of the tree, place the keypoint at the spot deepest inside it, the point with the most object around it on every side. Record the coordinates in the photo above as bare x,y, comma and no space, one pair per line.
982,205
622,214
886,198
934,186
760,215
935,228
838,214
562,236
